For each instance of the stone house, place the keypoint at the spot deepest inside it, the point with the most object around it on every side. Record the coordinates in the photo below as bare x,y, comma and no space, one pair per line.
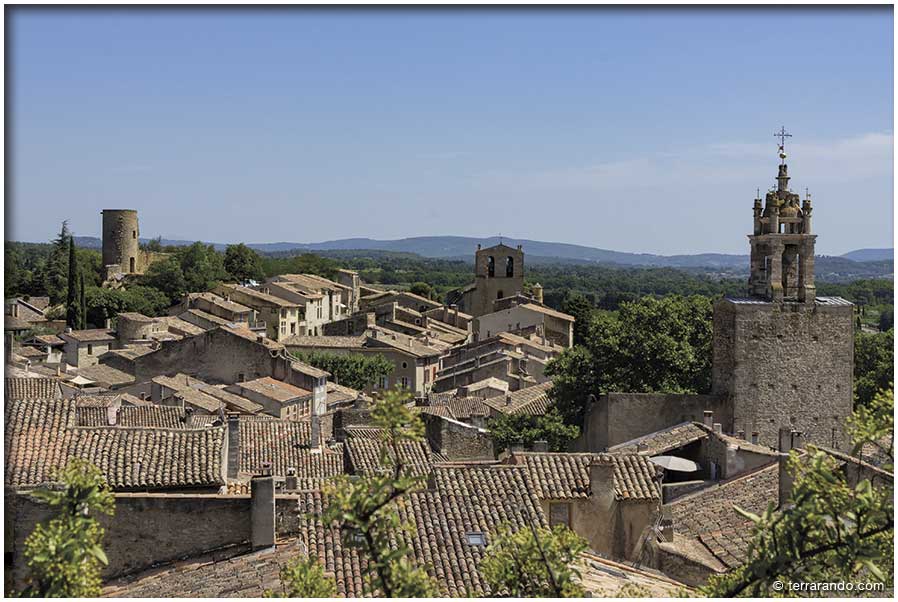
282,318
276,397
519,361
84,347
322,301
609,500
556,326
51,346
216,305
415,363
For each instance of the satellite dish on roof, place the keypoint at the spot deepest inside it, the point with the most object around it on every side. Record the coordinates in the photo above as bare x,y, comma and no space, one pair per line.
676,464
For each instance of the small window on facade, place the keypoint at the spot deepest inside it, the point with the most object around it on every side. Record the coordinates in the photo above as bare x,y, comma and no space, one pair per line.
476,539
90,349
491,266
405,382
384,382
133,233
293,328
241,377
509,267
560,514
404,365
499,295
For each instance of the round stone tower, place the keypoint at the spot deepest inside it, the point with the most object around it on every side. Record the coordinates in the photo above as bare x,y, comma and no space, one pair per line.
120,240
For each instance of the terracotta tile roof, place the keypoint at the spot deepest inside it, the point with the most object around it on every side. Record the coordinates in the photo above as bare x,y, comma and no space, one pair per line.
29,352
338,394
463,500
32,388
257,297
559,476
92,416
548,311
179,326
532,401
207,317
49,339
154,416
93,335
286,444
41,436
220,301
708,519
662,441
274,389
14,323
363,432
333,342
364,456
106,374
136,458
36,439
198,399
308,369
232,401
133,400
136,317
467,407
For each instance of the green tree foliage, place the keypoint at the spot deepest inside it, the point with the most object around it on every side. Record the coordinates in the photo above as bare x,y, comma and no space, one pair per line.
16,279
874,364
652,345
242,263
166,276
105,303
64,554
365,509
352,370
201,266
831,530
304,578
509,429
90,262
307,263
155,245
422,289
535,562
73,311
82,303
55,275
886,318
581,308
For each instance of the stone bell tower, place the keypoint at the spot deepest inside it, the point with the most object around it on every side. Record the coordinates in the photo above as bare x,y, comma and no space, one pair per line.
782,246
784,357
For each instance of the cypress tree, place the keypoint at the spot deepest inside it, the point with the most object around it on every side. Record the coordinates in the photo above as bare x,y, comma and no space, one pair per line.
82,309
72,317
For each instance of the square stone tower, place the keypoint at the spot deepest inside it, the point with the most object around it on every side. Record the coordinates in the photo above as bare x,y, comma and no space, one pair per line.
783,356
498,273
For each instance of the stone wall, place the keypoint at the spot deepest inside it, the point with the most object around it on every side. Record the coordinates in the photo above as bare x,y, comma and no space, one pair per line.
146,529
618,417
149,529
458,441
785,365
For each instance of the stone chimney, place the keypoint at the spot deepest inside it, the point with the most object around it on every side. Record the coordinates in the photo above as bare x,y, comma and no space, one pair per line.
541,446
262,510
601,479
708,418
789,439
233,444
316,430
755,437
740,434
291,483
718,428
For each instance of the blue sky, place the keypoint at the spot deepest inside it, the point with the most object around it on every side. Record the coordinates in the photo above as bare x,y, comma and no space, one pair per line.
637,130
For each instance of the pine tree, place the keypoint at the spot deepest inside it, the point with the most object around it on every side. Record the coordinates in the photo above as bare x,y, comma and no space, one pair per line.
72,313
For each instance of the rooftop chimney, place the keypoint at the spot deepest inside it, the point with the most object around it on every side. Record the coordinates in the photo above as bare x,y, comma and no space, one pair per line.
787,441
718,428
541,446
601,477
740,433
233,444
262,511
508,399
316,430
708,418
292,483
755,437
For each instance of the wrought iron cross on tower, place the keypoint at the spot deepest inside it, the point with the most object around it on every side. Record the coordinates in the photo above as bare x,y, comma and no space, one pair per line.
782,135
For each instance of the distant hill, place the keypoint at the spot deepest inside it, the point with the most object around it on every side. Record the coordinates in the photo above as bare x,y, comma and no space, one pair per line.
870,255
876,262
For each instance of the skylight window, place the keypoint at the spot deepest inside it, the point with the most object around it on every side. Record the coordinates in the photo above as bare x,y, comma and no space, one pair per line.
476,539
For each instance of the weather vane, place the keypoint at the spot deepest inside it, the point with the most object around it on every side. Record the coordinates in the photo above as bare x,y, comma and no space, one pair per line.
782,135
